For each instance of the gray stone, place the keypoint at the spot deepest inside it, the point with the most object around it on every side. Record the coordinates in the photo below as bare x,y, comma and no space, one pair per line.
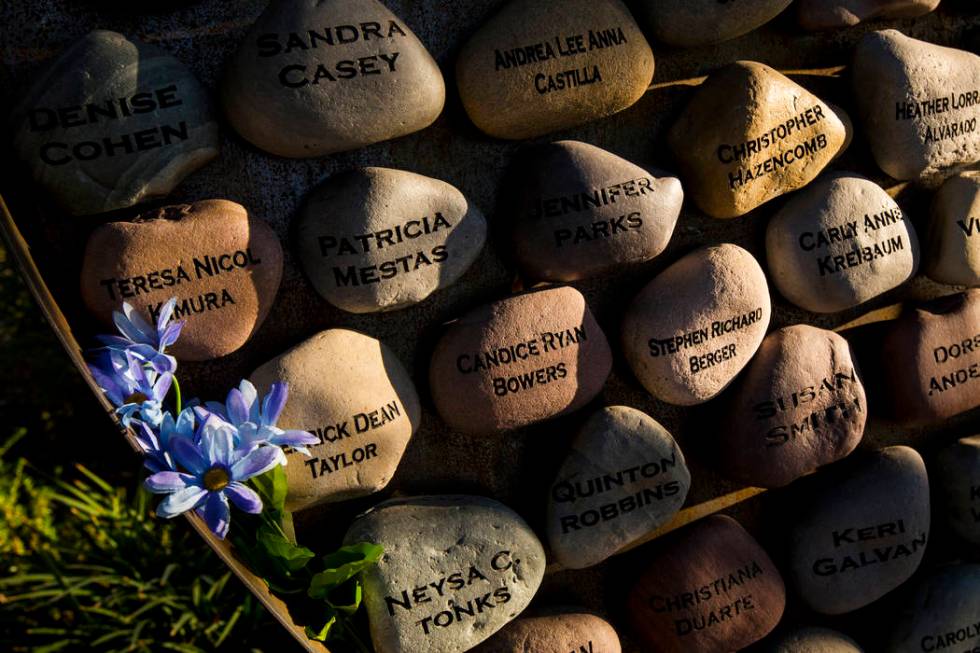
582,211
863,531
814,640
113,122
801,376
622,444
590,60
314,77
919,103
692,329
455,570
839,243
377,239
954,232
944,614
689,23
576,631
958,474
830,14
354,394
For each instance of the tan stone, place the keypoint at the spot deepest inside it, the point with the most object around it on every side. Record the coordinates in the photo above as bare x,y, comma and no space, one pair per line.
518,361
690,23
696,325
749,135
954,232
352,392
590,60
831,14
314,77
222,264
559,633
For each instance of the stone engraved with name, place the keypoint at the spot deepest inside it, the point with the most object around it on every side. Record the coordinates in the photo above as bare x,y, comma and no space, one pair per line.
880,553
666,346
841,388
704,601
358,424
829,264
953,638
930,107
964,373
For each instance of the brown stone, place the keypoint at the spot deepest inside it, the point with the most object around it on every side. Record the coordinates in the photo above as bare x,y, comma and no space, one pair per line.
353,393
314,77
749,135
696,325
222,264
931,357
741,596
799,405
576,632
958,478
581,211
954,232
518,361
588,59
689,23
831,14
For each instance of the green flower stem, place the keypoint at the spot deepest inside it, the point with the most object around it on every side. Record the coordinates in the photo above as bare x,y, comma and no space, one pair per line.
177,398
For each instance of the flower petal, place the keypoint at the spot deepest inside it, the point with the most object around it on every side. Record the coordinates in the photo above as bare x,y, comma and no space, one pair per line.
251,397
189,456
244,498
219,444
132,325
236,407
216,514
181,501
295,439
166,482
257,462
166,311
274,402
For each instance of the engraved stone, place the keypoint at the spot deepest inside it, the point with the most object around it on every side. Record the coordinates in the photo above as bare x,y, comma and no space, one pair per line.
741,596
582,211
113,122
830,14
814,640
222,264
839,243
932,359
864,530
624,477
954,232
314,77
378,239
576,632
958,474
353,393
537,67
799,405
943,614
919,103
696,325
455,570
751,134
518,361
690,23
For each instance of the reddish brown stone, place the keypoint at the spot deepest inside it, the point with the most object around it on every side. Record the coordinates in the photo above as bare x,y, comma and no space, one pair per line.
554,634
931,356
740,593
519,361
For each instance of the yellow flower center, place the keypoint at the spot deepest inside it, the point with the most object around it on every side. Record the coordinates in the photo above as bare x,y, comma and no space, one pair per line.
216,479
136,398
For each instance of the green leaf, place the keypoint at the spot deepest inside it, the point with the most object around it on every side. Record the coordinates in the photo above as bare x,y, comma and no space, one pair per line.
342,565
346,599
272,487
324,632
291,556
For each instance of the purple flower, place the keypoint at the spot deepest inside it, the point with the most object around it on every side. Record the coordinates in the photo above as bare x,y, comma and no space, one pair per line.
143,341
157,445
131,387
256,421
216,471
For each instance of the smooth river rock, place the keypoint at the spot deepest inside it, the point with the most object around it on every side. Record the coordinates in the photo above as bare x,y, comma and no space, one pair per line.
942,615
377,239
840,242
749,135
577,632
954,232
689,23
958,473
931,356
314,77
740,594
814,640
862,531
832,14
580,211
519,360
353,393
624,477
113,122
222,264
799,405
692,329
455,570
919,103
537,67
